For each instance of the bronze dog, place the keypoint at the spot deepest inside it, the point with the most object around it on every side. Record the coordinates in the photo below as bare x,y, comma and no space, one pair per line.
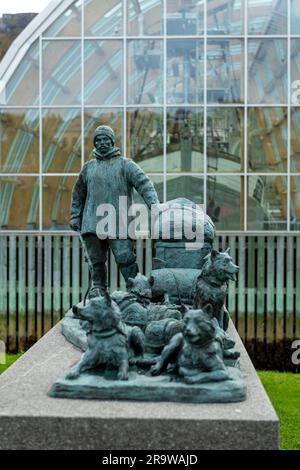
136,305
212,284
196,353
110,342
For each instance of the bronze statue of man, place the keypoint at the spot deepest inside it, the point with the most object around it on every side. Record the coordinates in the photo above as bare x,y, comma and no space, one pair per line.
103,180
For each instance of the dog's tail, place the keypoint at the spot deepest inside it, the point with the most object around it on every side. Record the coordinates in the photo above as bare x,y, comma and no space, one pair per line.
137,341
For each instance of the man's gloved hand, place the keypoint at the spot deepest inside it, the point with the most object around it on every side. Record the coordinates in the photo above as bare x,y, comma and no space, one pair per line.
154,201
75,224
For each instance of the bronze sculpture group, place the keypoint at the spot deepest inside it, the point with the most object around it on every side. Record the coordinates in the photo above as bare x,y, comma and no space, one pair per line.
147,343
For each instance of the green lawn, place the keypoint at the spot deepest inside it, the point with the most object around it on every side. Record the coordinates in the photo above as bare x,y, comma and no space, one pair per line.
10,359
283,389
284,392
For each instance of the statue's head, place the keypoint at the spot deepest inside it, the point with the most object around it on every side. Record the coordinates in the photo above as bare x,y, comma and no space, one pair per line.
104,139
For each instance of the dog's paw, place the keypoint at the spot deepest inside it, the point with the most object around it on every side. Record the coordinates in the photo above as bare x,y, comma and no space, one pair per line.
72,374
229,354
122,375
155,370
236,355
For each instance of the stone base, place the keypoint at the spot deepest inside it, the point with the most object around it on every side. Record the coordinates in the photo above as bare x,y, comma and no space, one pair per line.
146,388
30,419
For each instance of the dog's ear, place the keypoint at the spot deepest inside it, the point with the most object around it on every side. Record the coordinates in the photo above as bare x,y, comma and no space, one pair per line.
151,281
228,250
107,298
214,254
208,309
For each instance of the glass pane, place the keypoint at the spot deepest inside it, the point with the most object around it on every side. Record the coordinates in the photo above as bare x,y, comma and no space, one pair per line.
145,18
295,140
185,71
103,18
103,72
61,72
225,140
21,87
267,202
189,187
145,72
19,141
61,141
225,201
56,201
185,18
267,140
267,66
295,71
267,16
68,23
225,71
225,17
295,17
145,144
98,117
19,202
158,182
295,202
185,140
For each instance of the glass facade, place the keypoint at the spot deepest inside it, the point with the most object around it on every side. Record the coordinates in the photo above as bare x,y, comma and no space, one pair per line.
204,95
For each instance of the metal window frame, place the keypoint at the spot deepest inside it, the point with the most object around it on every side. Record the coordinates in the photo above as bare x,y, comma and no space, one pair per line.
35,32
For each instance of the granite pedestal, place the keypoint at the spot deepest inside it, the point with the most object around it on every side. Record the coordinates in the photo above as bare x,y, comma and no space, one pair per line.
30,419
